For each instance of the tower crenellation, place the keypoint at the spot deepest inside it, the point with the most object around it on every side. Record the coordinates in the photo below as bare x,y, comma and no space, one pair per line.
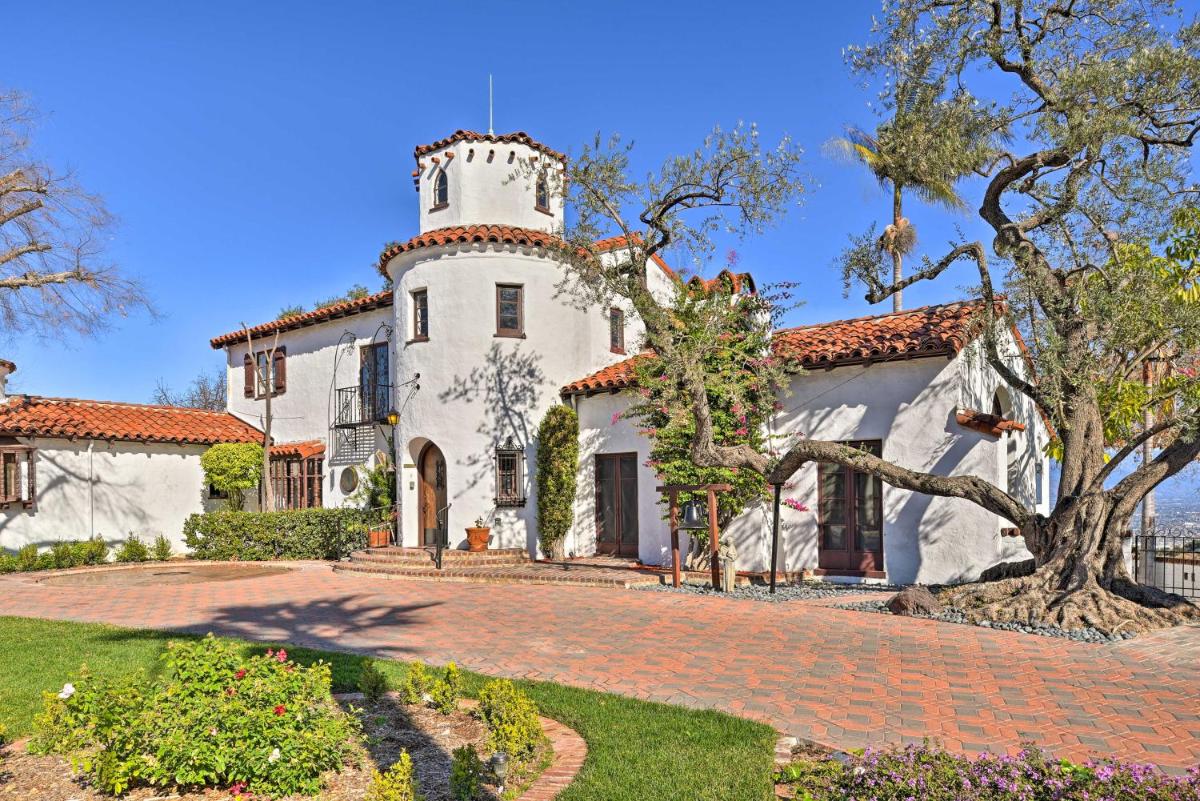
472,178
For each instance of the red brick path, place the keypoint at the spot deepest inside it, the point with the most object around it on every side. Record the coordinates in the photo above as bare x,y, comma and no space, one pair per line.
845,678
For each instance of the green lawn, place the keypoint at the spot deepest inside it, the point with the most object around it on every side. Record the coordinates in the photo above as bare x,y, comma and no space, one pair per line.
636,749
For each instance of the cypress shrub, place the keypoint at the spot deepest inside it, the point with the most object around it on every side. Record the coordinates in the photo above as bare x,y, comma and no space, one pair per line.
557,466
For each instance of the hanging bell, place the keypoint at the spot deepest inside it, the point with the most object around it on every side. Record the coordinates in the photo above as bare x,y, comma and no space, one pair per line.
692,515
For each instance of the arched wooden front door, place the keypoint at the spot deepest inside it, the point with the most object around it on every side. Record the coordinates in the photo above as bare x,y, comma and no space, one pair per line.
431,491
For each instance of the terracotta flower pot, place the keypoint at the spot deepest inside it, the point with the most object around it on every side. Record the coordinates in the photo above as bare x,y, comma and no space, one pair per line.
379,537
477,539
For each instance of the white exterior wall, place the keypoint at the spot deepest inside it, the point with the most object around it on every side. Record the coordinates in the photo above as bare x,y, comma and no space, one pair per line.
910,406
320,358
478,389
110,489
495,190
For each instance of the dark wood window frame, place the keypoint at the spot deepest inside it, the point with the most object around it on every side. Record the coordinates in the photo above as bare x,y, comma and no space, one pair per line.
277,376
441,190
375,381
13,490
541,195
519,331
301,488
420,315
851,506
616,330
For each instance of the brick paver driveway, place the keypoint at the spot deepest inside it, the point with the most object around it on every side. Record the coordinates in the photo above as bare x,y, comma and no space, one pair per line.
844,678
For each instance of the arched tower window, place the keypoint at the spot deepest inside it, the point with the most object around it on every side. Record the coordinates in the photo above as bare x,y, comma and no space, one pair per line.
441,189
542,193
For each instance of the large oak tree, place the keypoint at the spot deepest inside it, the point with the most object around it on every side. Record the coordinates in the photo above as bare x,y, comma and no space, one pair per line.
1100,100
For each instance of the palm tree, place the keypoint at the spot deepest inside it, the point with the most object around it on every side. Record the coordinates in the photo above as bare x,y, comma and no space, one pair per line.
924,150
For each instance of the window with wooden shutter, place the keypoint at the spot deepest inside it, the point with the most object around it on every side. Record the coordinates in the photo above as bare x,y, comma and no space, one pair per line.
280,370
248,377
17,476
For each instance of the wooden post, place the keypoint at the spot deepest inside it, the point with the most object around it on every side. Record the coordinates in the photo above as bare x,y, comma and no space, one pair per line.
775,537
712,539
675,567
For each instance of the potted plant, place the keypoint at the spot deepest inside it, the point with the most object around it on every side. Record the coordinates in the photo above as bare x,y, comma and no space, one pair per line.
478,535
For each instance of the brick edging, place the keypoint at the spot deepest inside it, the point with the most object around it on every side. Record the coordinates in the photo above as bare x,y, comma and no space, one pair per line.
569,749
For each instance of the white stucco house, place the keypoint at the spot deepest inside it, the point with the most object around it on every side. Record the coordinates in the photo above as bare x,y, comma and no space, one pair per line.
474,341
73,469
449,370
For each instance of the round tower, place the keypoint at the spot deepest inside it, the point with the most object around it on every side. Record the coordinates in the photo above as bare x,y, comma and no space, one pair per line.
471,178
480,317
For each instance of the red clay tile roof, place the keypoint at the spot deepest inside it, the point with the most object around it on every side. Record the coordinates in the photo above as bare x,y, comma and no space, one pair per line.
517,137
70,418
739,282
6,364
300,450
616,376
344,309
466,235
928,331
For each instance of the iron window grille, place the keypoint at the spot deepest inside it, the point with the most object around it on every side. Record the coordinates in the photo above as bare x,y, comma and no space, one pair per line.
510,474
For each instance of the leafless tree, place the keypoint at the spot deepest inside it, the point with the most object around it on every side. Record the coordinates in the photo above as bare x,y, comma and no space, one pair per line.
264,384
53,273
207,391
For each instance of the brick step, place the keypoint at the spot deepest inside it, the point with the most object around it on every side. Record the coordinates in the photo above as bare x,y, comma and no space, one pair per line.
420,557
521,574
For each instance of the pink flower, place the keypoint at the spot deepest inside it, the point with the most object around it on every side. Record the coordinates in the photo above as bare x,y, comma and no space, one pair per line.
616,418
239,790
241,674
743,431
279,710
281,656
792,503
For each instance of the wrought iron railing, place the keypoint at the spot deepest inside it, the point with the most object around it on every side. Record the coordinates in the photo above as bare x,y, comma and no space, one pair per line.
1168,559
362,405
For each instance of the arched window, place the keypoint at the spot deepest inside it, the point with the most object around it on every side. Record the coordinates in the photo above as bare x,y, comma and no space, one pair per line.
541,192
441,190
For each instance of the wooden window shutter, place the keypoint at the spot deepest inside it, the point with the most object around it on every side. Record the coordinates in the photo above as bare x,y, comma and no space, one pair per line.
280,369
248,376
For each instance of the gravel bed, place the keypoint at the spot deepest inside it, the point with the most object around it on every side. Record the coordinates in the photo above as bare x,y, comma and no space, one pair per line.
807,591
952,615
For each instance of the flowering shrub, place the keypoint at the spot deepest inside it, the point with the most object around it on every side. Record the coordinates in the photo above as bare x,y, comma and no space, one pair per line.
512,720
932,774
726,334
254,725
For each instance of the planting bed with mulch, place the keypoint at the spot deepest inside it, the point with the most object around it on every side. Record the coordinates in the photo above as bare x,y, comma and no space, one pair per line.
388,727
952,615
801,591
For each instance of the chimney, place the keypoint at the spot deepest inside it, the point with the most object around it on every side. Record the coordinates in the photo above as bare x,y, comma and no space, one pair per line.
7,368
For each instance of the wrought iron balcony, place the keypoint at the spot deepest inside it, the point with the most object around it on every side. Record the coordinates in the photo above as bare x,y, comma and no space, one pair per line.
362,405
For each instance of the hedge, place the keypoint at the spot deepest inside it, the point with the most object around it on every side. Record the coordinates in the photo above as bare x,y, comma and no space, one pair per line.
292,534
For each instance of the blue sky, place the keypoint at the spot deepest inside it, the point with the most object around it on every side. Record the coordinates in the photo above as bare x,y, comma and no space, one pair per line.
258,155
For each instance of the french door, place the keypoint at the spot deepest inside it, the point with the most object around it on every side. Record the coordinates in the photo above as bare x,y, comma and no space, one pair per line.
850,516
616,504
